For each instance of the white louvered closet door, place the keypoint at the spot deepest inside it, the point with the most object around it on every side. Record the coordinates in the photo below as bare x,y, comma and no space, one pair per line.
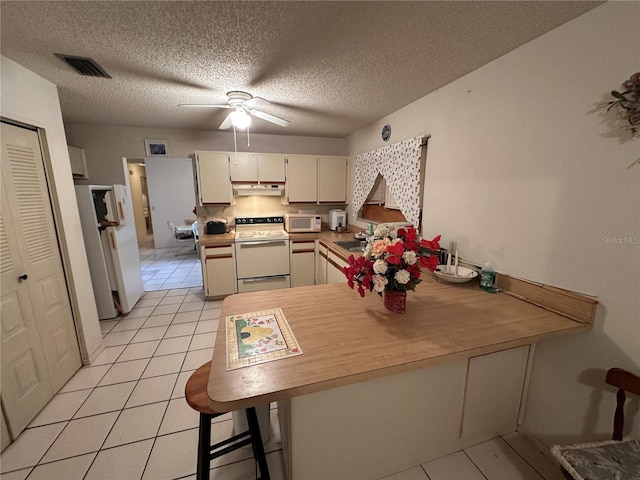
40,350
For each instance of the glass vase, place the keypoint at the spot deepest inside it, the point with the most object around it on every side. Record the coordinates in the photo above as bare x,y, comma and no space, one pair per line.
395,301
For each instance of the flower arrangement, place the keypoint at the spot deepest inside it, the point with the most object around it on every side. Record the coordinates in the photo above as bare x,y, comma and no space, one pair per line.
392,260
627,103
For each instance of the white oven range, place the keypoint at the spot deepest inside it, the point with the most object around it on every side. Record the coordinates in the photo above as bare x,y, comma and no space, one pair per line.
262,254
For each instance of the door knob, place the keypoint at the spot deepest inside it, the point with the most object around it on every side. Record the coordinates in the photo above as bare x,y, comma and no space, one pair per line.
23,277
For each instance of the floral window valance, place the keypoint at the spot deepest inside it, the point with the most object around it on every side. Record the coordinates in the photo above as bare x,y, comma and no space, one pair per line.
399,165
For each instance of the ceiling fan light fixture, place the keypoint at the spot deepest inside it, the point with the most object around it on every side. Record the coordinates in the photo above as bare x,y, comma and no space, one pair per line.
240,119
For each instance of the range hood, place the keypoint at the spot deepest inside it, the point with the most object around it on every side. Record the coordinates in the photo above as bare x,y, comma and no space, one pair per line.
263,189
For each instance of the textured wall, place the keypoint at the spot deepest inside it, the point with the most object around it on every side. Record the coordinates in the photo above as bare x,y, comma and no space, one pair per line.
524,172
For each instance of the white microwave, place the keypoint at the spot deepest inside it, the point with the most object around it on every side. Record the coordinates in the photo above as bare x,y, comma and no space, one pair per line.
302,222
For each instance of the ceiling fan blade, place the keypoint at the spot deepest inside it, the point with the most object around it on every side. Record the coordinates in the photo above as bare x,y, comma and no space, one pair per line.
203,105
270,118
226,123
256,102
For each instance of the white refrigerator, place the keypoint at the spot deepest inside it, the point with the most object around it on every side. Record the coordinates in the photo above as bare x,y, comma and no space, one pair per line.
106,215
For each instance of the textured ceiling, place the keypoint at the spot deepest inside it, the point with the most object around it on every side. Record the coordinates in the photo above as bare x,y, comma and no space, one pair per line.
330,68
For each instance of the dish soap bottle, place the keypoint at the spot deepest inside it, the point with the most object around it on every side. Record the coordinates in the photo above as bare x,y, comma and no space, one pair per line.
487,277
369,231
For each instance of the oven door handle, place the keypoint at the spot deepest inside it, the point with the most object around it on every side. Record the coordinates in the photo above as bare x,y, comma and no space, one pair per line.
261,242
263,279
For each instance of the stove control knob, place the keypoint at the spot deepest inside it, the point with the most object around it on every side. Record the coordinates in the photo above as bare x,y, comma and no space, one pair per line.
268,219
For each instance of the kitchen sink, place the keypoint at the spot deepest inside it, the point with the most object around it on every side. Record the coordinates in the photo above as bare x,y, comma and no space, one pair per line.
352,245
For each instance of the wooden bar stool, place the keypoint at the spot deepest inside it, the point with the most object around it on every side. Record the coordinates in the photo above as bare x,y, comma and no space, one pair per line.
196,395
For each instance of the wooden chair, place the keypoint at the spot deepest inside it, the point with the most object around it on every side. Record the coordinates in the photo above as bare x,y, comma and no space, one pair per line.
611,459
196,396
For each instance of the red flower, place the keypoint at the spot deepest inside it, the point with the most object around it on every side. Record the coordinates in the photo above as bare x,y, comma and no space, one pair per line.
360,270
395,252
430,262
431,244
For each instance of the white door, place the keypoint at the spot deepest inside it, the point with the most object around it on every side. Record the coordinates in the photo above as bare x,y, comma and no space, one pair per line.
126,261
40,349
172,196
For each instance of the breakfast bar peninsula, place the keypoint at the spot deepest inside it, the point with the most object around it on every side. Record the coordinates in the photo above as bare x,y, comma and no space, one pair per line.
376,392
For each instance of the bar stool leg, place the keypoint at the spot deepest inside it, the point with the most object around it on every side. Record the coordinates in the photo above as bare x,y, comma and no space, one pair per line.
204,440
256,443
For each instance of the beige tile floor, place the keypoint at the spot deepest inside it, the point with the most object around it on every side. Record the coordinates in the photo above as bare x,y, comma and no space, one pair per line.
125,417
168,268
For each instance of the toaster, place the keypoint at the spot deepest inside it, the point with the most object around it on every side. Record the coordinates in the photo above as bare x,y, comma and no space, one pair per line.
215,227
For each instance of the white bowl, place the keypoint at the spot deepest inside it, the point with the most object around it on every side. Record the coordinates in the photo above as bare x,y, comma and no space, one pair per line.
448,274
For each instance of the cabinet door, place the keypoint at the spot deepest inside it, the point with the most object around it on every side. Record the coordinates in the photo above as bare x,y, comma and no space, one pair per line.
244,167
321,264
220,270
303,256
494,391
332,180
214,183
334,268
301,179
78,162
270,168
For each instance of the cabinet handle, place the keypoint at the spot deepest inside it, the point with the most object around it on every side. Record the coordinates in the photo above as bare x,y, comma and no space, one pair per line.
263,279
261,242
24,276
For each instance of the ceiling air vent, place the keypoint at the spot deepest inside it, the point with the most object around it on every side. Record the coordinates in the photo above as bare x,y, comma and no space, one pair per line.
83,65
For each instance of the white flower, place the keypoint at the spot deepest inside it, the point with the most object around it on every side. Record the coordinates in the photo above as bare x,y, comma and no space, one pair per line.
379,282
409,257
402,277
381,231
380,267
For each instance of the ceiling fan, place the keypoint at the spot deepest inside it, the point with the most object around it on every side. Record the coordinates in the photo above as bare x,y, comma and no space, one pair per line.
244,106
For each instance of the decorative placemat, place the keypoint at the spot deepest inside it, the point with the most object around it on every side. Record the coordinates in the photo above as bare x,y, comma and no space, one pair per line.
259,337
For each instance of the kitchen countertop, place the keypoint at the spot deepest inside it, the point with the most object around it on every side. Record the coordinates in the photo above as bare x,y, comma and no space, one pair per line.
357,339
212,240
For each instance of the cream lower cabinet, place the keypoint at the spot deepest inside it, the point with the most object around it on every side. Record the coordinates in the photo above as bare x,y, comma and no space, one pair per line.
493,392
417,415
218,270
334,268
321,263
303,262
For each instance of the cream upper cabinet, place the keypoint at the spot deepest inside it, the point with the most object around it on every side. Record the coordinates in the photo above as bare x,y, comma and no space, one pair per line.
332,180
257,168
271,168
214,185
244,167
302,177
78,162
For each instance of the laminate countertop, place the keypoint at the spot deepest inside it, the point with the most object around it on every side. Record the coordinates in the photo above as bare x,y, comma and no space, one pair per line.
348,339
